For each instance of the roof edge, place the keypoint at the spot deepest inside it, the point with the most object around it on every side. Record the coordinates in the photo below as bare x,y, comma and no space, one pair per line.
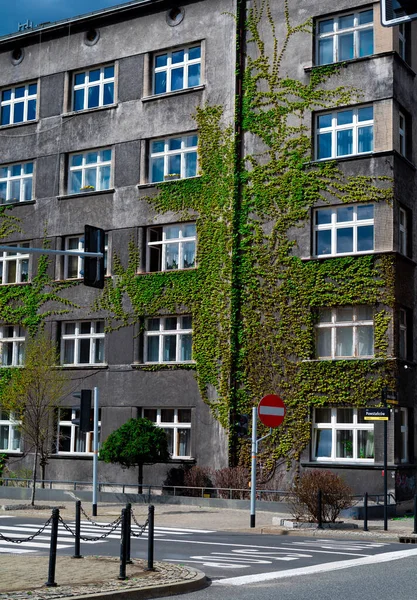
56,25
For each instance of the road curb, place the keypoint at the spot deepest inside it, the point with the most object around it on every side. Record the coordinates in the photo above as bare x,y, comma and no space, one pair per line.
199,582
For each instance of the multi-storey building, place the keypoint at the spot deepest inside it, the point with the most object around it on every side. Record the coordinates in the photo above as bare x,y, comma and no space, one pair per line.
255,179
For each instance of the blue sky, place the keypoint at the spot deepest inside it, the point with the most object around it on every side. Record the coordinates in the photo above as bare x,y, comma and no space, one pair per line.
39,11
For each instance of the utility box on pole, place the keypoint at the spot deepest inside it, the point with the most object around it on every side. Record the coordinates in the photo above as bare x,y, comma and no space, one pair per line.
94,266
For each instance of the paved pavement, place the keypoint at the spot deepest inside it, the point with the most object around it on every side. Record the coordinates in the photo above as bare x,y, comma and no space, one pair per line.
23,576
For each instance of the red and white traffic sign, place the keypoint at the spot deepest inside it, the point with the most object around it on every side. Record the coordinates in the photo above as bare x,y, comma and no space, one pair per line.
271,410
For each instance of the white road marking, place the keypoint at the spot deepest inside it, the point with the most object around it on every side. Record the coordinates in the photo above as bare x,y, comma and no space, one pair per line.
241,558
323,568
15,551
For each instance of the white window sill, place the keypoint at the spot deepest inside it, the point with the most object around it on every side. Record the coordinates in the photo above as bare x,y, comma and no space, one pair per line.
86,366
345,461
157,183
9,125
73,113
83,193
184,362
173,93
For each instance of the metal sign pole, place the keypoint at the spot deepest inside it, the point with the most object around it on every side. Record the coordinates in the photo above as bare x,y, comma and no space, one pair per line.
384,400
253,473
95,450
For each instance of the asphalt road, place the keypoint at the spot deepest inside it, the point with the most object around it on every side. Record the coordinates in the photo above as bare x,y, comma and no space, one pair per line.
395,580
222,556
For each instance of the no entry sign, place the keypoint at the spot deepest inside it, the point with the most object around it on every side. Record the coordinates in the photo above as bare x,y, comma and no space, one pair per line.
271,410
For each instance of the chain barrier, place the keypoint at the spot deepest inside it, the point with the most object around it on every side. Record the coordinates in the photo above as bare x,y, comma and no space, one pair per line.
115,525
98,524
141,527
28,539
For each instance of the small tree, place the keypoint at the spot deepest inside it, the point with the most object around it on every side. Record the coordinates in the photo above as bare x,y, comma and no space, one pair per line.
33,394
136,443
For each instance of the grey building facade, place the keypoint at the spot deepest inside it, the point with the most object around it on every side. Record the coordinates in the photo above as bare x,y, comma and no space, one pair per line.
97,113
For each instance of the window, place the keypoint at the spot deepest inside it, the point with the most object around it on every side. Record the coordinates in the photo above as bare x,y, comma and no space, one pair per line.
403,345
12,345
345,132
344,229
345,332
18,104
402,134
177,70
168,340
345,37
171,247
403,233
341,434
173,158
14,266
82,343
404,435
93,88
16,183
90,171
74,265
69,437
9,432
176,422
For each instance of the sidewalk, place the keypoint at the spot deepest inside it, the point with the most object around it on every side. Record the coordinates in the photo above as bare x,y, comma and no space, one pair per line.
23,576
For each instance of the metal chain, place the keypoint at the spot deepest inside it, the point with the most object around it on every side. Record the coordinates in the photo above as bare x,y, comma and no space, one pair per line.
141,527
98,524
28,539
91,539
135,521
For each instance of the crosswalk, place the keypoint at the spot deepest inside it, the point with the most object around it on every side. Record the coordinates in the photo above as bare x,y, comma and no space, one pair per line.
66,539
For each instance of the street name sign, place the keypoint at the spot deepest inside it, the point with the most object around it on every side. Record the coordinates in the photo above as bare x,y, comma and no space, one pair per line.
271,410
377,414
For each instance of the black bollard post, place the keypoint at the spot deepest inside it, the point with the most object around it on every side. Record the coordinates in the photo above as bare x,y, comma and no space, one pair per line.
52,548
122,572
319,510
151,515
128,533
77,530
365,512
415,514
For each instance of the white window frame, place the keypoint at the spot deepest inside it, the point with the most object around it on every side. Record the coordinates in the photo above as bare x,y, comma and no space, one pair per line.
79,259
7,419
22,179
335,128
335,226
402,338
84,167
403,233
13,101
170,67
166,153
336,33
16,339
175,426
100,83
161,333
164,242
334,426
334,325
76,437
77,337
404,429
7,257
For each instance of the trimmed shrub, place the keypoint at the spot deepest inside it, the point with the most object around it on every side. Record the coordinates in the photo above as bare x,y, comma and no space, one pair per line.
199,477
336,496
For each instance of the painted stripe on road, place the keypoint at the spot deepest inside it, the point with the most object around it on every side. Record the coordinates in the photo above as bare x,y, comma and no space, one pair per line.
334,566
13,550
